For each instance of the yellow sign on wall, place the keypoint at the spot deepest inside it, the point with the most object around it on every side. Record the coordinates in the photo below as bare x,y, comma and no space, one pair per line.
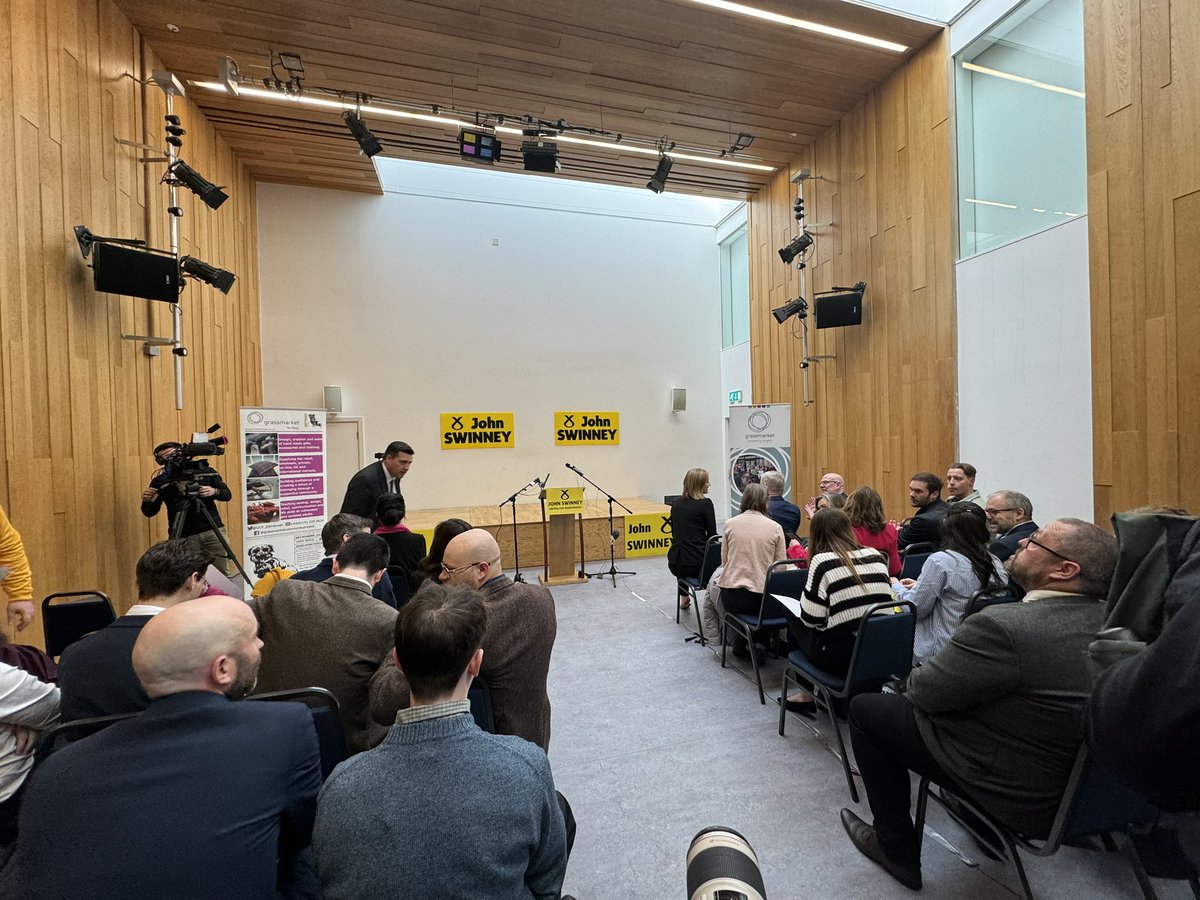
648,535
560,501
477,430
574,429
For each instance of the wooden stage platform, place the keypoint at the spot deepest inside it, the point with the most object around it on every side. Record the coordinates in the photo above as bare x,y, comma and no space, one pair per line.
529,526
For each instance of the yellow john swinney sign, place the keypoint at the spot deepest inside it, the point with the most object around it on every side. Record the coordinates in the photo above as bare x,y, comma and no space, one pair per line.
574,429
476,430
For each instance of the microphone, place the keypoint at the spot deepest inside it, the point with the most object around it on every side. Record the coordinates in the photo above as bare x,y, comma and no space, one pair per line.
546,481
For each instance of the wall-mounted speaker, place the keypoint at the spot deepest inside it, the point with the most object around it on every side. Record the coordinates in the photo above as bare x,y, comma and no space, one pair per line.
135,273
678,399
333,398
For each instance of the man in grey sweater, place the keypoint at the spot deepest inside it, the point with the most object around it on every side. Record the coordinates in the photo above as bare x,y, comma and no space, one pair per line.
441,808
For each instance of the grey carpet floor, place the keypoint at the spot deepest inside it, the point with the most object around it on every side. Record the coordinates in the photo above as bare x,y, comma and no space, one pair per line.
653,741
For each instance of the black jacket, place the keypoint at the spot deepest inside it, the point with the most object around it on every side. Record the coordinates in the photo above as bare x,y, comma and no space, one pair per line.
364,489
925,526
168,492
693,522
96,676
1006,545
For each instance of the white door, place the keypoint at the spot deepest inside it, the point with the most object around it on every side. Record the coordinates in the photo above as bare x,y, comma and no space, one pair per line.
344,458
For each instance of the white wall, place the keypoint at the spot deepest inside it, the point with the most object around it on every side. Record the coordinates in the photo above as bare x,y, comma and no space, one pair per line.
1024,369
464,290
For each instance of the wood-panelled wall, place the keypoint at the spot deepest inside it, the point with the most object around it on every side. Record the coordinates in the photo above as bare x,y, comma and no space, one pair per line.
885,407
82,408
1143,122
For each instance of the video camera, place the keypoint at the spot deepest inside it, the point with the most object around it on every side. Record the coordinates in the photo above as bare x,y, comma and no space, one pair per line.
185,464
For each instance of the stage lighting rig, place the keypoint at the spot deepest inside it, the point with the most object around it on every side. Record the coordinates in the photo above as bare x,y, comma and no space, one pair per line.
202,271
799,244
658,180
367,142
181,173
797,307
539,152
479,145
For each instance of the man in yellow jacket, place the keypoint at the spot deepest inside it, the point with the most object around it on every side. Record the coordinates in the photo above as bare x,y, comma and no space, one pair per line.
17,581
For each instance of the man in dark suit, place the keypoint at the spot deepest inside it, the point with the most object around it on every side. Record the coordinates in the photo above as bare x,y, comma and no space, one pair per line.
331,634
195,797
784,512
925,494
995,715
522,626
1010,518
382,477
335,533
96,673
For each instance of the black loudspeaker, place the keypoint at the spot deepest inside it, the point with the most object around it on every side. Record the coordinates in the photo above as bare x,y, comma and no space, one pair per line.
836,310
135,273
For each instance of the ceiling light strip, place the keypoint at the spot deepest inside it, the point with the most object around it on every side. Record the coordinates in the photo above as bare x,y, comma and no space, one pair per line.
990,203
372,109
1021,79
827,30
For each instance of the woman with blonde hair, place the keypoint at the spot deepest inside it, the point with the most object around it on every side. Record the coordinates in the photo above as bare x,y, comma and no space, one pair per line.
693,522
865,509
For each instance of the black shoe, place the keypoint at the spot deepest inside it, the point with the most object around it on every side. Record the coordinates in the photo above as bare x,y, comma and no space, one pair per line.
863,837
740,648
808,709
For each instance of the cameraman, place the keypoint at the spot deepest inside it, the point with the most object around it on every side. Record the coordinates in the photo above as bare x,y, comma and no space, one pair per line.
195,527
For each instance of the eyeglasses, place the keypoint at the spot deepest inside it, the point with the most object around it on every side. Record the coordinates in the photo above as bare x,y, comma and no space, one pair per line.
1037,543
990,513
452,572
827,482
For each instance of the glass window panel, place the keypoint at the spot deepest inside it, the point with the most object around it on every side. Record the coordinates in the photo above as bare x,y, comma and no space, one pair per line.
735,289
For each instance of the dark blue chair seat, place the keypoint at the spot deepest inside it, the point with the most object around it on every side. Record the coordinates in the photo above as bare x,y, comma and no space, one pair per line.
801,664
783,579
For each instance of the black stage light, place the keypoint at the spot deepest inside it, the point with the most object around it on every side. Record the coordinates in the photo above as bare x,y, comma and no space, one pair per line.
793,307
540,154
799,244
658,180
478,146
212,195
366,140
218,278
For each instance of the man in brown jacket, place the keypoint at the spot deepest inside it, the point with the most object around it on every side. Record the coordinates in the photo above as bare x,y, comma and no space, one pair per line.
520,637
331,634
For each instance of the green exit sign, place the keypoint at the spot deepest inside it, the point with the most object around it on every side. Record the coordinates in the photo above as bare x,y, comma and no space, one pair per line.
735,396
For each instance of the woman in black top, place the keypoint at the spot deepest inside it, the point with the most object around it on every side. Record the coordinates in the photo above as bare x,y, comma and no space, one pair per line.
693,522
407,547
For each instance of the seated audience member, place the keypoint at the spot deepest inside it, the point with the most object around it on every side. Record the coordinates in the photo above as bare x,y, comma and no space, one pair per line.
844,579
1010,519
751,542
693,522
17,582
335,533
925,494
960,484
865,509
830,483
521,629
473,814
331,634
96,674
949,579
27,705
195,797
407,548
786,513
430,568
995,716
714,612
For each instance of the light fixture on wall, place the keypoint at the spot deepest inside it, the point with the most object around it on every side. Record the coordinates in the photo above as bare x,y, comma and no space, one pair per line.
181,173
202,271
479,145
799,244
367,142
797,307
658,181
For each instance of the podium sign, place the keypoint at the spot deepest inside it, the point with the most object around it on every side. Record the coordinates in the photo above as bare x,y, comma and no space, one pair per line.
560,508
563,501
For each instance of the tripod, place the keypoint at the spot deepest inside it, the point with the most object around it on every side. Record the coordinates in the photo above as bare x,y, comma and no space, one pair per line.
517,576
195,503
612,544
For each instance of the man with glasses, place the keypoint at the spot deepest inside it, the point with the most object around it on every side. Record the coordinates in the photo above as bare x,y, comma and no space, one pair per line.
830,483
995,715
95,674
1010,518
331,634
520,637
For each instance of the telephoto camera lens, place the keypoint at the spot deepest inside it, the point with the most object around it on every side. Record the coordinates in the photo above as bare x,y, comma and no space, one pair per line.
721,865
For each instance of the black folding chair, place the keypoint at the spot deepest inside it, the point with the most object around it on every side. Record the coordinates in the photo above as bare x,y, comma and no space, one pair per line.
324,708
990,596
60,735
693,586
1094,804
400,584
783,578
479,695
883,650
911,564
65,623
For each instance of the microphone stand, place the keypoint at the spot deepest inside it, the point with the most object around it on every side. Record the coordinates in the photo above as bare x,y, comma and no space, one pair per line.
517,576
612,543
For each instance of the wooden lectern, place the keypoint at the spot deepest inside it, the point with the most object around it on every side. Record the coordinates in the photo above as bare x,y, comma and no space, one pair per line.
559,542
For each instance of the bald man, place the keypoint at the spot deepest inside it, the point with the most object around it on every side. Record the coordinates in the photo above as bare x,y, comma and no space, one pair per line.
520,637
830,483
197,796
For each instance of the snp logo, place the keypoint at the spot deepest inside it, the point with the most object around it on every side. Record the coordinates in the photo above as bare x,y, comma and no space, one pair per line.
569,420
457,424
566,494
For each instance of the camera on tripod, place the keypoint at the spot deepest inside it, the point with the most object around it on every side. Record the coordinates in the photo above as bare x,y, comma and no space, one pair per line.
185,465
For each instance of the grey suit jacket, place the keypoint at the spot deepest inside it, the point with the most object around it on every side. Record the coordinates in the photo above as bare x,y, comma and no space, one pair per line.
999,706
331,634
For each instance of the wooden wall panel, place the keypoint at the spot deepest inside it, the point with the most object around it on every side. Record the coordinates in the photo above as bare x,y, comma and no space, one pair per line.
81,408
885,407
1143,223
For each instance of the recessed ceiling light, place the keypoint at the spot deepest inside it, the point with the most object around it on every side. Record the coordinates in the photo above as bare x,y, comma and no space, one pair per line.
804,24
1021,79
